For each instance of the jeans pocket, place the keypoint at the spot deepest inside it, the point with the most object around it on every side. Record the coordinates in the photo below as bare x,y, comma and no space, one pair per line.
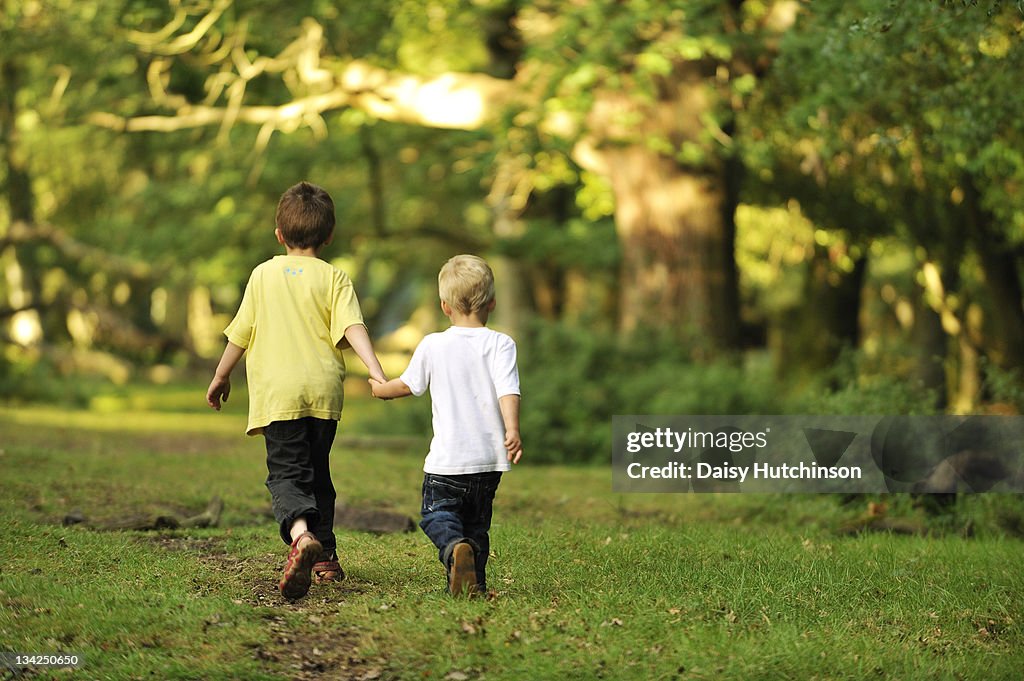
441,493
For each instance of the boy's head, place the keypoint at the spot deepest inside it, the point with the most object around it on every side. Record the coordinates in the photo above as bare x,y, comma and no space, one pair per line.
466,283
305,216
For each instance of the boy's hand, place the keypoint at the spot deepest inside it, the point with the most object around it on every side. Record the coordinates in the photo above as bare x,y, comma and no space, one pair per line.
219,388
374,385
514,445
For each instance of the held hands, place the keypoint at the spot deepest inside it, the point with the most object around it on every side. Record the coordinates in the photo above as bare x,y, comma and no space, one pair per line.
219,389
375,387
514,445
384,389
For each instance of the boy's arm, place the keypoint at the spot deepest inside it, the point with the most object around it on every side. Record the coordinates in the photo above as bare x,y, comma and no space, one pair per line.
220,386
359,339
509,405
389,390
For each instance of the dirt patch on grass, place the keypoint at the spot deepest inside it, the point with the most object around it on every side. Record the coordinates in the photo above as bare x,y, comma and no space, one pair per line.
315,650
307,639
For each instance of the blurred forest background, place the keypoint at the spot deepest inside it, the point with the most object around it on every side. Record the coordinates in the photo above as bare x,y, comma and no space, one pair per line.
700,206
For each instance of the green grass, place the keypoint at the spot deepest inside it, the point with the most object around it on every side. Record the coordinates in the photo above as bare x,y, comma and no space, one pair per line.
589,584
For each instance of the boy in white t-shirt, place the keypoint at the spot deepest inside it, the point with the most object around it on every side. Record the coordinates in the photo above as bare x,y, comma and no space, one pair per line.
474,389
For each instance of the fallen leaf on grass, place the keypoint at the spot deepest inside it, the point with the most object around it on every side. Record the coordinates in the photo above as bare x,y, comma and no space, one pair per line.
474,627
613,622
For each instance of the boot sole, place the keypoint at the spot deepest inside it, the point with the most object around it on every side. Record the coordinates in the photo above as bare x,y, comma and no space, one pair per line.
296,583
462,578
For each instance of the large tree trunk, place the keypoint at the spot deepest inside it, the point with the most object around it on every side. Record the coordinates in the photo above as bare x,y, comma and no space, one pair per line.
513,306
675,249
1002,274
21,281
675,230
1001,263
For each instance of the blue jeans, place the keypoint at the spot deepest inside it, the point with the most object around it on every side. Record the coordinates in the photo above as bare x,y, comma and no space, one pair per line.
457,508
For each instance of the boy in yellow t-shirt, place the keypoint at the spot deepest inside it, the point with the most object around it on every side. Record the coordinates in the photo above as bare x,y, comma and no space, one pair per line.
296,315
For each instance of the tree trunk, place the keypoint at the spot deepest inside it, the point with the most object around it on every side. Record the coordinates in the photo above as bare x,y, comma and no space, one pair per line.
931,347
21,278
734,176
513,304
1001,264
814,335
675,228
675,250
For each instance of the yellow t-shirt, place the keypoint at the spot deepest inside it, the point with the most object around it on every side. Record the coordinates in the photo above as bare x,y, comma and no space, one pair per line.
292,323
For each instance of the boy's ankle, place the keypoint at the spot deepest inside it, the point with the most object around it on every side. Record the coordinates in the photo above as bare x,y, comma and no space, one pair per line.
304,539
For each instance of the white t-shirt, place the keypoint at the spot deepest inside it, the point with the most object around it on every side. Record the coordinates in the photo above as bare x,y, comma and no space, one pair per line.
467,370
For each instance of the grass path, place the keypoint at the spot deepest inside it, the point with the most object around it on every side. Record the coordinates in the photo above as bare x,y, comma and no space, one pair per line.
590,584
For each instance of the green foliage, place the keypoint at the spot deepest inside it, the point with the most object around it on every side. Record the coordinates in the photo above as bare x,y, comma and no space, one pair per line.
831,97
576,244
1004,385
878,116
24,378
574,380
859,384
869,395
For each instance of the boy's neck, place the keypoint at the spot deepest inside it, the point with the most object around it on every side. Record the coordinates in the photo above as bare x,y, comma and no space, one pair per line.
472,320
305,252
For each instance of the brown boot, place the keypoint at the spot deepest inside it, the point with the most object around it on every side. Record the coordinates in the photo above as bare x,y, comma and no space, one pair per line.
462,572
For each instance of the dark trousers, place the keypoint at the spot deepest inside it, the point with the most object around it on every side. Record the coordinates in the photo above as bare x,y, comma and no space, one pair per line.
299,476
457,508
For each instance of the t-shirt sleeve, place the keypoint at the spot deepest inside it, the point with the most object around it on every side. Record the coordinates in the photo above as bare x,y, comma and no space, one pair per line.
345,309
504,371
239,331
417,374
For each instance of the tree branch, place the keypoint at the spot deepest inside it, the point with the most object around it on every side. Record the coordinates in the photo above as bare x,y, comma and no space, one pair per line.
7,312
461,101
22,232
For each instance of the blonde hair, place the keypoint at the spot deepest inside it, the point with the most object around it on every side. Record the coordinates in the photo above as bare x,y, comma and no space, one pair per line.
466,283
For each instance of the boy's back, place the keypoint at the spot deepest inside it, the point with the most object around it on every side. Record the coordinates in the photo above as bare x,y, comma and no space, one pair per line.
467,370
295,313
291,320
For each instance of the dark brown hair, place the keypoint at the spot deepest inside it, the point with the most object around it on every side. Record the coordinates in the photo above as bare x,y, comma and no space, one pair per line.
305,216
